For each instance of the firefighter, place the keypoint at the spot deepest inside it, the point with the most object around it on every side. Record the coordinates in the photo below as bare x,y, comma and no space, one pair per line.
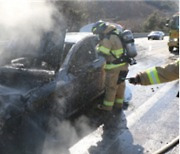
110,46
157,75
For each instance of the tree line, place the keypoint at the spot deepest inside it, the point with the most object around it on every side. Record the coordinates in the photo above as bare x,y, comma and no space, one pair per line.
147,18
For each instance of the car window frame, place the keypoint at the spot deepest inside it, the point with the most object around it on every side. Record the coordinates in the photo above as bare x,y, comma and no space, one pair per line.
75,47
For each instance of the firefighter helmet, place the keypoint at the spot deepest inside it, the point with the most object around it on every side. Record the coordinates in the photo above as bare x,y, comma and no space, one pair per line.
99,27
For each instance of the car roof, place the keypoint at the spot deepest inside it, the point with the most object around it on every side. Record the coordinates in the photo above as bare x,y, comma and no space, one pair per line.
73,37
156,32
88,27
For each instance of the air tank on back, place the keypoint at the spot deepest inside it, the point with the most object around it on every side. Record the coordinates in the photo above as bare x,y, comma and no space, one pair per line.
128,41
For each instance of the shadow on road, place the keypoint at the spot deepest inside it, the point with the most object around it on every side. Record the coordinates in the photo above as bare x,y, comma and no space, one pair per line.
116,137
40,133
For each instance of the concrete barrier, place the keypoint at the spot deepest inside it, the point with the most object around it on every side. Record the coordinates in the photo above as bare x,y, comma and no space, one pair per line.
138,35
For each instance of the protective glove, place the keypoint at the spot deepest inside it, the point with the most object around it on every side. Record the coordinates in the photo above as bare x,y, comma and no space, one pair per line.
135,80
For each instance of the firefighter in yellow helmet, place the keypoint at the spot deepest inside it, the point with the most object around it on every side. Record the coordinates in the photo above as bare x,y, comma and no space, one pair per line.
157,75
111,48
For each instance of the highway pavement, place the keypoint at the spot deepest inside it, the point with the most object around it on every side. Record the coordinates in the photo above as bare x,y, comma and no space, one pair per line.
151,120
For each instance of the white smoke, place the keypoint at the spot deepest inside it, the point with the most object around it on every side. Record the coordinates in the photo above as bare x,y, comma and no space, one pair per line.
65,135
25,18
22,23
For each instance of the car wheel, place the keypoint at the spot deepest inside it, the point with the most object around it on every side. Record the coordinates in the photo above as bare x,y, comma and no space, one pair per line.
148,38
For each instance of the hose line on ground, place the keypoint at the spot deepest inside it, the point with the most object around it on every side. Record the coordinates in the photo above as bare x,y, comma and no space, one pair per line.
167,147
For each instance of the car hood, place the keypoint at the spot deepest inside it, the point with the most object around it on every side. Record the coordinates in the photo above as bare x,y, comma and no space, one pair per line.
18,101
27,77
24,67
22,84
48,47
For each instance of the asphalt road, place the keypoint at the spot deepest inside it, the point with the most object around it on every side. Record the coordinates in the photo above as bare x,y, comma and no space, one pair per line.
151,120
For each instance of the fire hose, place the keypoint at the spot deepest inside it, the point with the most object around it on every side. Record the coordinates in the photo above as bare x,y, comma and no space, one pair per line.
167,147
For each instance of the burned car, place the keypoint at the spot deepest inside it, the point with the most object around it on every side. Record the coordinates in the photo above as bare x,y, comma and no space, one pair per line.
55,83
67,76
78,80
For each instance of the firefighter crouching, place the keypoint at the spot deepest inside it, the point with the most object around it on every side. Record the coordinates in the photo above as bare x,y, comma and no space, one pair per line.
110,46
157,75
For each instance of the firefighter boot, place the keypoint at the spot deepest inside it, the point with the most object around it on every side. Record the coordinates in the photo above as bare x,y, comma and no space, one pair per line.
103,107
118,106
125,105
118,103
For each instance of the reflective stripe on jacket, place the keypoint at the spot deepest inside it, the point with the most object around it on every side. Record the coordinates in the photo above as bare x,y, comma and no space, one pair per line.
160,74
116,53
111,47
106,51
153,76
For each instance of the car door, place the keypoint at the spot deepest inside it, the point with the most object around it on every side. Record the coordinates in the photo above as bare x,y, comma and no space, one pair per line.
87,68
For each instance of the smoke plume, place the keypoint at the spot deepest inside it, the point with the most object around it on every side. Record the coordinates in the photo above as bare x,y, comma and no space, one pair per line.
22,25
65,135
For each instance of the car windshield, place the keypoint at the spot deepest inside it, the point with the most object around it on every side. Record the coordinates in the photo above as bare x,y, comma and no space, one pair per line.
155,32
71,39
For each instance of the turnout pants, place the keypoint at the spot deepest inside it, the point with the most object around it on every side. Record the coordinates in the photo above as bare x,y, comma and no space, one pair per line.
114,93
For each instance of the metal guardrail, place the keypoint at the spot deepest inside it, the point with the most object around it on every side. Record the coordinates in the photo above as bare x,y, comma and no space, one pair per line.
138,35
